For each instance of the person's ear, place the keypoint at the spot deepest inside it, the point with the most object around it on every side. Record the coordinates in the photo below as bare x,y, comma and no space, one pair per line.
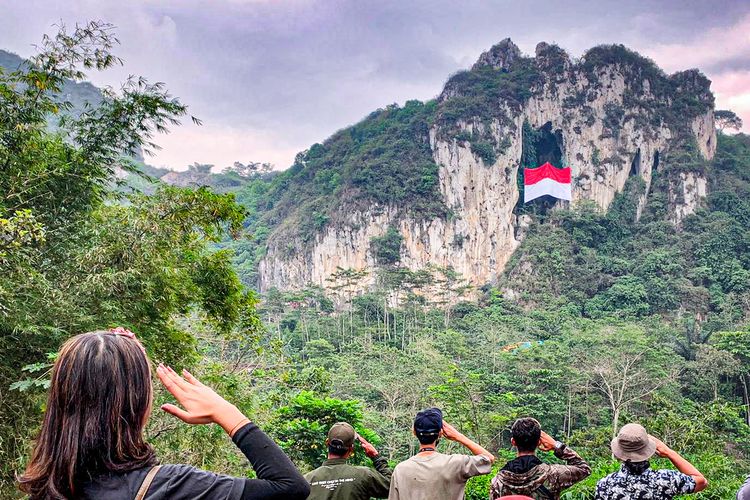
328,442
513,442
413,431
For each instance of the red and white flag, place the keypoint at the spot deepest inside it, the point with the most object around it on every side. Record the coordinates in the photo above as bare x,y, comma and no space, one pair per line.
546,180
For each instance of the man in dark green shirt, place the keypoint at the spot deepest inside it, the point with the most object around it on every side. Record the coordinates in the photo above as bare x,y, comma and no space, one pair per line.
337,480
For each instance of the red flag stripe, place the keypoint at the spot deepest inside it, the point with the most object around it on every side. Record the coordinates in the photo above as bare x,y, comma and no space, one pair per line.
546,171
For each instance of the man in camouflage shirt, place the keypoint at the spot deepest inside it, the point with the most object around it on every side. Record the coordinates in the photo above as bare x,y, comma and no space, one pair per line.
527,475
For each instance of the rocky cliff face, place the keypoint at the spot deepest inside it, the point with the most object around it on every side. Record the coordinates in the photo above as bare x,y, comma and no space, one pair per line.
686,193
608,120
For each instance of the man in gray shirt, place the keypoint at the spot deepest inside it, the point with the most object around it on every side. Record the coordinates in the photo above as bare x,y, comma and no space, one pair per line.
436,476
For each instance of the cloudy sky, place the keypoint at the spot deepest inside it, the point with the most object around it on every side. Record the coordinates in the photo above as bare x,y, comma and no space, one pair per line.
270,77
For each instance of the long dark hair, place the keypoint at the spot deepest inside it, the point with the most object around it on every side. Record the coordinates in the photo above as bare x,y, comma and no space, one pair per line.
98,405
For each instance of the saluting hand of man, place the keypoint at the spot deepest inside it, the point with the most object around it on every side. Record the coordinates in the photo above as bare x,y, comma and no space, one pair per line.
546,442
450,432
662,449
370,450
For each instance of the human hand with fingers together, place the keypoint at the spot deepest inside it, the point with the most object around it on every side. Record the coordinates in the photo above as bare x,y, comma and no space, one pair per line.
546,442
453,434
369,449
202,405
450,432
662,449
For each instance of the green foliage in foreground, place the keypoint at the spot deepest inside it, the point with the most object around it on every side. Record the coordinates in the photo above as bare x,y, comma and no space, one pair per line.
302,426
73,256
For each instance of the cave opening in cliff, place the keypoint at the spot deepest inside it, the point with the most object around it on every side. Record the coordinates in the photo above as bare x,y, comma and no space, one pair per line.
545,145
656,162
538,146
635,165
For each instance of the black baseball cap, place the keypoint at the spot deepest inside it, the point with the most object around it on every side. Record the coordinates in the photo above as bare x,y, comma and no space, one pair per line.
429,422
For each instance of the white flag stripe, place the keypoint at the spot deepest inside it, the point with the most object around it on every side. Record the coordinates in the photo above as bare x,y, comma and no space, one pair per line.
547,186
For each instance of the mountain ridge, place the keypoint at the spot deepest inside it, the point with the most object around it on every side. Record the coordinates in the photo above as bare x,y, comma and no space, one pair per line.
77,93
444,174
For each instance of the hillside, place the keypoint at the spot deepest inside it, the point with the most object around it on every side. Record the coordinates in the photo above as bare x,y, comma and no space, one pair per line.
436,185
77,93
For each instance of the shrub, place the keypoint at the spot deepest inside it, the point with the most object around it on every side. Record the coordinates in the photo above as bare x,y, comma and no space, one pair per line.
387,248
485,151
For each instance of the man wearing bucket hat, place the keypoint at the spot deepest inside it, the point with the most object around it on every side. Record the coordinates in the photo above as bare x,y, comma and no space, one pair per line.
338,480
430,475
635,480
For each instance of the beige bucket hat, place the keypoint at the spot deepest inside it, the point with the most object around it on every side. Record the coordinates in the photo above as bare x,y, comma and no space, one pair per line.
633,443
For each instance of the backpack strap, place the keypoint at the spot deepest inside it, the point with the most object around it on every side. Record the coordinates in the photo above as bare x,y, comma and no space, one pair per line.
147,482
544,491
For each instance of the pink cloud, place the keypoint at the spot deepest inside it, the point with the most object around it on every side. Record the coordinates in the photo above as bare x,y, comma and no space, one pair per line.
221,145
731,82
732,91
709,48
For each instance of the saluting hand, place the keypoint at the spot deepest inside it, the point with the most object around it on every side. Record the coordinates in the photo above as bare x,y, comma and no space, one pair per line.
546,442
450,432
370,450
201,403
662,449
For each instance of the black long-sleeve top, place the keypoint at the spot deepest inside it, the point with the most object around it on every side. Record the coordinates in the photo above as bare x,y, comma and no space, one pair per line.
277,477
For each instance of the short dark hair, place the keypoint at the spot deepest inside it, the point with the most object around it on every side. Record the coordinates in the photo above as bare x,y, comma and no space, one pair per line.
428,438
337,447
526,432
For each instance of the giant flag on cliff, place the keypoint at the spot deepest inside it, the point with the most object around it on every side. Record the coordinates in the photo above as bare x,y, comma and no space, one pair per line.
546,180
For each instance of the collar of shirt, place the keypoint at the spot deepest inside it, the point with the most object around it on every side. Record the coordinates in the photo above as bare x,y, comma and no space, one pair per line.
335,461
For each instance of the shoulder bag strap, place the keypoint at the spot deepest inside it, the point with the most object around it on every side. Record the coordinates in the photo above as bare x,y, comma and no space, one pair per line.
147,482
544,491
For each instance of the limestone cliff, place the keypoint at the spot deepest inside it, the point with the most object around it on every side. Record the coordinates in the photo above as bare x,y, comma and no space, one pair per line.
609,116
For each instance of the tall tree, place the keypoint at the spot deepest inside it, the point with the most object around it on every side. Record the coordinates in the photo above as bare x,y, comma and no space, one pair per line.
72,257
738,345
727,119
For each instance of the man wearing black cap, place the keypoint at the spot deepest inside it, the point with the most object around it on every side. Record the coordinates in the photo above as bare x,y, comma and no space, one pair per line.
337,480
433,475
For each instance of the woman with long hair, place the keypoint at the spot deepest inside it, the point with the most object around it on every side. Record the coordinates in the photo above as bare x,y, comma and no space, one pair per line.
91,443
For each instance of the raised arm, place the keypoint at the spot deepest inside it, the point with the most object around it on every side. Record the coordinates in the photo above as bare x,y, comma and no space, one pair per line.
379,480
453,434
277,476
575,468
682,465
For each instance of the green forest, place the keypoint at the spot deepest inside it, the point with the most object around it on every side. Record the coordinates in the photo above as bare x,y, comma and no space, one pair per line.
615,318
